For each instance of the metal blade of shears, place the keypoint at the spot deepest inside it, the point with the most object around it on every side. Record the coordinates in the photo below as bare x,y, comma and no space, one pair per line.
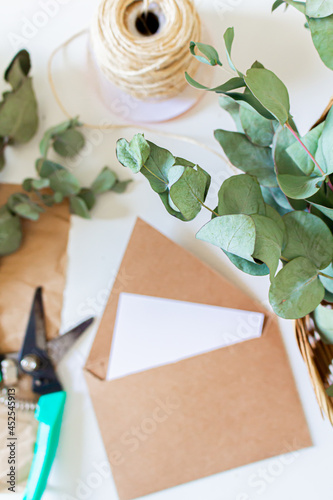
58,347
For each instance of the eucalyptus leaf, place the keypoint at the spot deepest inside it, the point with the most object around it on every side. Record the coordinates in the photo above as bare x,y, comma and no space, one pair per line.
300,156
258,129
133,154
277,4
40,183
88,196
270,91
246,266
189,192
308,236
235,234
28,211
319,8
270,201
18,114
47,167
251,159
157,167
78,207
104,181
64,182
120,186
284,164
241,194
322,37
18,69
327,282
232,84
269,240
323,318
233,108
210,55
10,232
248,98
299,187
296,290
228,40
324,152
165,198
68,143
53,131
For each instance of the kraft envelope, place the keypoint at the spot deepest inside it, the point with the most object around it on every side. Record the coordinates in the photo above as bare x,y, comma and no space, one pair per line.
202,415
41,261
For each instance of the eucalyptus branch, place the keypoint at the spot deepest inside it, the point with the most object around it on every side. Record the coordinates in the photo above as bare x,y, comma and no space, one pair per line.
310,155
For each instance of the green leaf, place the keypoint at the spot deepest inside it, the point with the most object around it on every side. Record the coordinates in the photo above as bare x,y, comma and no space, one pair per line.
121,186
327,282
246,266
300,6
190,191
277,4
233,108
40,183
18,114
284,164
270,91
157,167
269,240
248,98
308,236
319,8
18,69
328,212
300,156
211,56
232,84
165,198
324,152
247,157
258,129
53,131
133,154
299,187
78,207
46,167
241,194
323,318
68,143
228,40
233,233
296,290
2,152
329,391
88,197
64,182
104,181
10,232
20,204
322,37
270,201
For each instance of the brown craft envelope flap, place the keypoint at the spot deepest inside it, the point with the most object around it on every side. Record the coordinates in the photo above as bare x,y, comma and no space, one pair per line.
41,261
202,415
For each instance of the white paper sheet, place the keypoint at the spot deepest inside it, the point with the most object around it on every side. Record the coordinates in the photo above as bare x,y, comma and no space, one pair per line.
150,332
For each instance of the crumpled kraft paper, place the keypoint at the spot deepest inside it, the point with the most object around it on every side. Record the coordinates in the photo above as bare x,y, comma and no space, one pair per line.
41,261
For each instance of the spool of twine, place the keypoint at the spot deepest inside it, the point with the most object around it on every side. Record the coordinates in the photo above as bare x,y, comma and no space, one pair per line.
142,47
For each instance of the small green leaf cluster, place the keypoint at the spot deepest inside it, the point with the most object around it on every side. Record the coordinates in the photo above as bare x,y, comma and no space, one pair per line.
280,211
18,108
319,20
181,185
54,183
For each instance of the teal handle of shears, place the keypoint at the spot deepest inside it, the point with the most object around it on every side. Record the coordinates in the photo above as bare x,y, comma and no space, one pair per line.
49,413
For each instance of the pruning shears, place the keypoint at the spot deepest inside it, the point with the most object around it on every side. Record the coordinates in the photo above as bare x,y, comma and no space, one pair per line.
36,361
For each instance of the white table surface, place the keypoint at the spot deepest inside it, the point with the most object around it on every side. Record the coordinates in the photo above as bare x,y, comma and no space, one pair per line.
96,246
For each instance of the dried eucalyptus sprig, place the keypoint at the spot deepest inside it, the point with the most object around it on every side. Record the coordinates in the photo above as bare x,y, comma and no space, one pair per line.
319,20
18,108
54,184
281,210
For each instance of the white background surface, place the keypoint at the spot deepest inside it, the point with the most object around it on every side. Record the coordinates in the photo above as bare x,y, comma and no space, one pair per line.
281,43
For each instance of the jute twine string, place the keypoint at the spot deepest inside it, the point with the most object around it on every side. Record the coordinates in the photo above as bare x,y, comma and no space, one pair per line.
118,126
144,66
